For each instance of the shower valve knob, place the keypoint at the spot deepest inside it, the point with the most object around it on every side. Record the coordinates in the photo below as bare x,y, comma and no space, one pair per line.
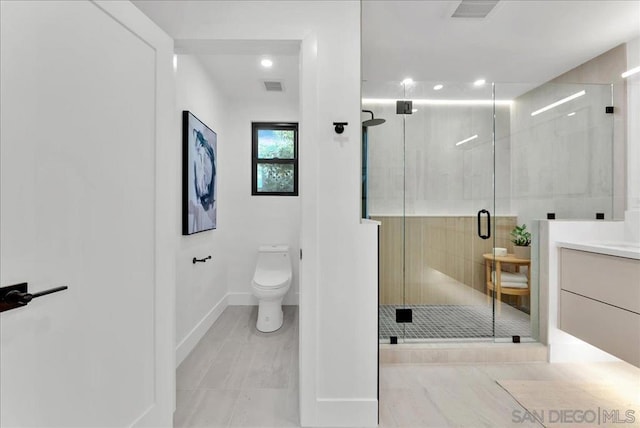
339,126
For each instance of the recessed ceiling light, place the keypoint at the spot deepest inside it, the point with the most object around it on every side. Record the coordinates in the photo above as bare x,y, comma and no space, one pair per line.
266,63
631,72
479,82
438,87
573,113
557,103
466,140
407,81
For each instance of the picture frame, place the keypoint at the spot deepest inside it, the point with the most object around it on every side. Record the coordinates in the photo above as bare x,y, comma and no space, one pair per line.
199,177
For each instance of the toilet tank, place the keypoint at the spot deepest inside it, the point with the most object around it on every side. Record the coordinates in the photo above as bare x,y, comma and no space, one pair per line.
274,257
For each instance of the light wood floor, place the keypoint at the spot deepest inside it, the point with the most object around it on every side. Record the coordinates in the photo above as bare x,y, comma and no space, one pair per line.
468,395
239,377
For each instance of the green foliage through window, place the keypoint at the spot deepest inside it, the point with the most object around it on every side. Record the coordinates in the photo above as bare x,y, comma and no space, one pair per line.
275,159
275,178
275,144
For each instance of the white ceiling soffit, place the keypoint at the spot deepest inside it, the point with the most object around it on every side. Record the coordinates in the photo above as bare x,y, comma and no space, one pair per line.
238,47
474,8
234,64
241,78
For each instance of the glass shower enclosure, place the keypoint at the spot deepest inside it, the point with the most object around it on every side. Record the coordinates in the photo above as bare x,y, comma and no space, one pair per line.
450,173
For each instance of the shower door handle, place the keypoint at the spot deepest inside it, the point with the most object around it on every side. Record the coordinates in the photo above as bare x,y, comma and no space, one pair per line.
480,234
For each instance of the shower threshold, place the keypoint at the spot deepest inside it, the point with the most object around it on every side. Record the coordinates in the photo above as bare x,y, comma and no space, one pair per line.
461,352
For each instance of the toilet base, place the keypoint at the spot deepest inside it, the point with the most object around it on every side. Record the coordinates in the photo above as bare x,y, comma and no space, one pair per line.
270,316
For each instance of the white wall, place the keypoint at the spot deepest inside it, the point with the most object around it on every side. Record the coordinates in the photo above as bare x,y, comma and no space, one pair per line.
201,288
250,221
633,127
338,288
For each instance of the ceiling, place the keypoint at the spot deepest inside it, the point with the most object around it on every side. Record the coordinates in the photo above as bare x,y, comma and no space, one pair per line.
236,63
518,42
527,42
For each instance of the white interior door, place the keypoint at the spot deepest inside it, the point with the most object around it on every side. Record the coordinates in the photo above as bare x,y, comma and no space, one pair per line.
83,100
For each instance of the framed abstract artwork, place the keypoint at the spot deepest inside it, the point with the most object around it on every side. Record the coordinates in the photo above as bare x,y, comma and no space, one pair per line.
199,164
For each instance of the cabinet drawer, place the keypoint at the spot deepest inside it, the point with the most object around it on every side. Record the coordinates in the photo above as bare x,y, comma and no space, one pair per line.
614,280
611,329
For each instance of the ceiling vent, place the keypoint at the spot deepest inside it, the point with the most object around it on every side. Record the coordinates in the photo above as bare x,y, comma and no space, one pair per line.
474,8
273,86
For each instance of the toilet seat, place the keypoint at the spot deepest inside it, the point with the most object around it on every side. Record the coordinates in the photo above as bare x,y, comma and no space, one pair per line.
268,280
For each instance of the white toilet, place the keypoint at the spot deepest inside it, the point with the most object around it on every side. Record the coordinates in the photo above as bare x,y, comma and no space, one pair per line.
271,281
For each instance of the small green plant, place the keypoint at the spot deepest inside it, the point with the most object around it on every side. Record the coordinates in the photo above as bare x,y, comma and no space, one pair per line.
521,237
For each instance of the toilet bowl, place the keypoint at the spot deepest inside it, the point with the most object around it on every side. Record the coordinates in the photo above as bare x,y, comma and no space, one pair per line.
270,283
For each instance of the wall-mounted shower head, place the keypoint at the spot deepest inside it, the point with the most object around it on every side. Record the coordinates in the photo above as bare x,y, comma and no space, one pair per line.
372,121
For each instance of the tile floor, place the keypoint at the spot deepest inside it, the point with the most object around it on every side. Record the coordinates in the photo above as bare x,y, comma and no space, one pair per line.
453,322
239,377
450,309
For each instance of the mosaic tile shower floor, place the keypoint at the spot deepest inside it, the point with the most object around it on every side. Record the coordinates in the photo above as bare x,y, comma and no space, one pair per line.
453,322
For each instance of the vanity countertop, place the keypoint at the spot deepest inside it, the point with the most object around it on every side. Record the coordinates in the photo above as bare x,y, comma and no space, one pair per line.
626,249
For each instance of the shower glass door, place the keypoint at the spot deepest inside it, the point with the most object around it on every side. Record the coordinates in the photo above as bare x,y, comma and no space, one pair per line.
449,210
431,185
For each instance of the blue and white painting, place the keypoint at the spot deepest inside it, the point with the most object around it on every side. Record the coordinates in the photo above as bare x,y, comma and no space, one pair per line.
200,144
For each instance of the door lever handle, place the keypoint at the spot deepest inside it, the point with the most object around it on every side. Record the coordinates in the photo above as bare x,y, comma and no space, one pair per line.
15,296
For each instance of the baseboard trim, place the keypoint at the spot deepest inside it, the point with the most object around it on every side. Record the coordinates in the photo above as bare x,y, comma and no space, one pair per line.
153,416
248,299
347,412
197,333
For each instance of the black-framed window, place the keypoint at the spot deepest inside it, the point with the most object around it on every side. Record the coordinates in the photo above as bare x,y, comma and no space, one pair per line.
274,158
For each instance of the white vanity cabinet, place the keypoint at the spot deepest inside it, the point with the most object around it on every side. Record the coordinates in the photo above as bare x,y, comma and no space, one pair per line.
600,301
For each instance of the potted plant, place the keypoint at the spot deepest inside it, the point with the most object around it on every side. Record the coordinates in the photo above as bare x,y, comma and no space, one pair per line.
521,239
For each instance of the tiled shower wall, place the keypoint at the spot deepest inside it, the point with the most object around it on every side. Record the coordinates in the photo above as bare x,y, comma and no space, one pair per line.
448,244
416,168
573,166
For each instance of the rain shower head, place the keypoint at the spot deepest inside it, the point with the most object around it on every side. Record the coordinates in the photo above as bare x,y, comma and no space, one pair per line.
372,121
